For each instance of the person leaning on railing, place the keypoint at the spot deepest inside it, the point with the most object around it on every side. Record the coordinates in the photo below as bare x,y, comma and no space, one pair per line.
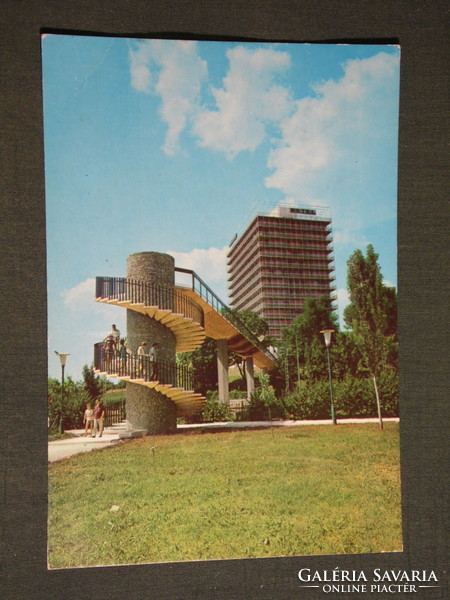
109,349
115,334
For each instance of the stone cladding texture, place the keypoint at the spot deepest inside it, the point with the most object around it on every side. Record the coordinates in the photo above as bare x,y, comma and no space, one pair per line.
147,408
151,267
150,410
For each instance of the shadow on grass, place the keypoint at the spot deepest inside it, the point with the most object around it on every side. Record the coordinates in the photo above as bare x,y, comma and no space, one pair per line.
231,429
218,429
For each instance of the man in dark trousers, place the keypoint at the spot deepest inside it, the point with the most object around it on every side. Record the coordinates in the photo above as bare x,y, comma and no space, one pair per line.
153,357
99,415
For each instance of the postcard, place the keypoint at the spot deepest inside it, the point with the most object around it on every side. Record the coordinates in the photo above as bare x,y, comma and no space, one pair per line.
226,401
158,152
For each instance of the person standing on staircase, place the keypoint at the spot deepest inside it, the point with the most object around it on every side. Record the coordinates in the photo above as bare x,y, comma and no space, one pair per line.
109,349
115,334
142,358
123,355
153,357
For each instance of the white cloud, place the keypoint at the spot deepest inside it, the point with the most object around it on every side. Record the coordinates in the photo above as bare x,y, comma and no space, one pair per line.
389,284
343,297
336,149
174,71
250,98
80,299
77,323
81,295
141,77
343,300
346,238
210,265
342,138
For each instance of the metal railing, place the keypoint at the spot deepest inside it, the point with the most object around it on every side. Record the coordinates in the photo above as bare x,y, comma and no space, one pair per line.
131,290
140,367
115,413
205,292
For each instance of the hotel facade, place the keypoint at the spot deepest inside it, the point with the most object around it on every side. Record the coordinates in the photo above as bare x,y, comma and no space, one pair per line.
281,259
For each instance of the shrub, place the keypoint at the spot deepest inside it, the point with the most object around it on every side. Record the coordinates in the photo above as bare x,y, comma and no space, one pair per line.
238,385
389,393
238,394
311,400
215,411
256,410
353,397
263,403
113,398
75,400
356,397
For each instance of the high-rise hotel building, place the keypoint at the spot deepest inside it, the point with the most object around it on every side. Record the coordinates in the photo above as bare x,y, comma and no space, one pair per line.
281,259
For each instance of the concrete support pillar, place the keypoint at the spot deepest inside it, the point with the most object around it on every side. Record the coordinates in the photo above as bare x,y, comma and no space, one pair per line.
222,371
250,376
148,410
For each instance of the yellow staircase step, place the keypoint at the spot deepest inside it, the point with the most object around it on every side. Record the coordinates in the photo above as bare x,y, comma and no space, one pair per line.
189,334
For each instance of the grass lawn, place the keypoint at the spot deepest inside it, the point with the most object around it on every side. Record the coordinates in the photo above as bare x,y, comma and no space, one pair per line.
254,493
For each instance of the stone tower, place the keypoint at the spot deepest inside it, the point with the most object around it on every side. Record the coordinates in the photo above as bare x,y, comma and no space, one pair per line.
148,409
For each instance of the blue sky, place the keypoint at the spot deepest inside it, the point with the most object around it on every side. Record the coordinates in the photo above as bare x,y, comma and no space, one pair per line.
174,146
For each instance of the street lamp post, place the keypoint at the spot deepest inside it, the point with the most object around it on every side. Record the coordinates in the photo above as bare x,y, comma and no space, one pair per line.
327,336
62,359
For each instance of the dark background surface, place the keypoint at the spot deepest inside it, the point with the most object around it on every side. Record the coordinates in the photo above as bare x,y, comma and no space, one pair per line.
421,29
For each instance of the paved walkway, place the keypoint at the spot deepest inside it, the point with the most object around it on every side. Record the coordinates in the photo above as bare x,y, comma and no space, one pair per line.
78,443
60,449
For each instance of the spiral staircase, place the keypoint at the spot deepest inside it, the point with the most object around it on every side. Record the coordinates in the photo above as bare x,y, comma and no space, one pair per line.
191,313
171,308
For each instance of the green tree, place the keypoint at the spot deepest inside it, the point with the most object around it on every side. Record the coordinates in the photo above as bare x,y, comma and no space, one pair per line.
92,383
203,362
266,393
390,308
370,313
74,403
346,358
301,351
257,326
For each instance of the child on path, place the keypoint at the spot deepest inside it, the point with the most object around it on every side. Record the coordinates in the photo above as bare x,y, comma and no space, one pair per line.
88,420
